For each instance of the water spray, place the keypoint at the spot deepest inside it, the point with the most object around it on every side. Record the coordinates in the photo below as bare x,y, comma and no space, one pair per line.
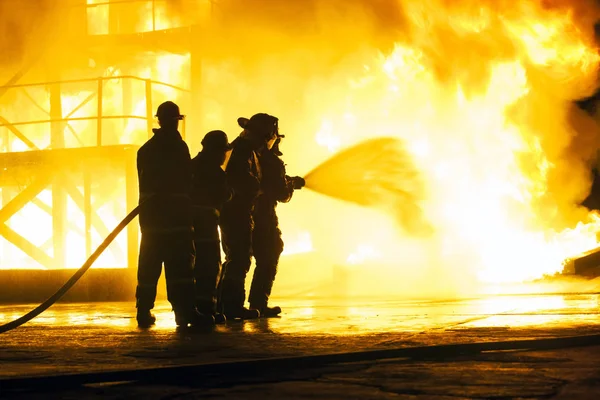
377,173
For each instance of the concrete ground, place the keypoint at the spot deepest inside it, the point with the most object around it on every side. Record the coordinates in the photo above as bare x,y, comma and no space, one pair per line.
71,338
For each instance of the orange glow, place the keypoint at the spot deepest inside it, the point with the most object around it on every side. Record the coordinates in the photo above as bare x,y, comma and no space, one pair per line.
480,148
480,92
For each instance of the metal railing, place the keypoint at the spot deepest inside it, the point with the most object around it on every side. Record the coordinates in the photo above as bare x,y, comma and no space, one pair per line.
154,8
100,116
109,3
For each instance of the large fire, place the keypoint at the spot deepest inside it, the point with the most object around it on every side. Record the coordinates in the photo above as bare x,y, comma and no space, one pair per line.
482,95
486,130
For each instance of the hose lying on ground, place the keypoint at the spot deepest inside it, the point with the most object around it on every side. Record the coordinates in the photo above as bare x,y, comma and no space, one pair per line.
56,296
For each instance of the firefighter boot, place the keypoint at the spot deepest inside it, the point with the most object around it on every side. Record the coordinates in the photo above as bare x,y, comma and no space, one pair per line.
233,297
194,318
202,320
207,307
236,312
145,318
268,312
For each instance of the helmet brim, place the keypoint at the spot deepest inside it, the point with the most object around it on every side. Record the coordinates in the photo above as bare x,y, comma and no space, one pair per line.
243,122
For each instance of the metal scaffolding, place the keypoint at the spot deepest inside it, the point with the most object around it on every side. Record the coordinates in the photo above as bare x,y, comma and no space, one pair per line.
66,136
69,172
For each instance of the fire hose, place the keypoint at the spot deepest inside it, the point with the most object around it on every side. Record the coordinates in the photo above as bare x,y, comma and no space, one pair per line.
82,270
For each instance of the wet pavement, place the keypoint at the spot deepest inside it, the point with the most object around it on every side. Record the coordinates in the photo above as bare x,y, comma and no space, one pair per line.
71,338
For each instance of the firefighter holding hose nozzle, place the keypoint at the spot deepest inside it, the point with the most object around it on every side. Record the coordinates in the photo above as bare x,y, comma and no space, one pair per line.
165,181
244,176
267,244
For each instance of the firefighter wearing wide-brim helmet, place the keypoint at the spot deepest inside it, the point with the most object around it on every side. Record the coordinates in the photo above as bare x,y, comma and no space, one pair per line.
244,175
263,128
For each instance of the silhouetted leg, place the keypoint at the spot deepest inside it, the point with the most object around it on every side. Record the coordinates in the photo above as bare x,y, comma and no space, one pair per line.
207,268
260,243
223,269
149,269
273,263
179,263
267,247
237,239
207,274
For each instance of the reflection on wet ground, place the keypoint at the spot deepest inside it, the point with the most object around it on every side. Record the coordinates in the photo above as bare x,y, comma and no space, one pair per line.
344,316
100,336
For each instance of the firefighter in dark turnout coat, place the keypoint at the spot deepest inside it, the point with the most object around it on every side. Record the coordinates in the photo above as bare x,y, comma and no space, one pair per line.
210,192
165,179
267,244
244,175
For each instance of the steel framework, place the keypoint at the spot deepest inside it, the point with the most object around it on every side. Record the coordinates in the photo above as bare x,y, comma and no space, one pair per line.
68,172
83,167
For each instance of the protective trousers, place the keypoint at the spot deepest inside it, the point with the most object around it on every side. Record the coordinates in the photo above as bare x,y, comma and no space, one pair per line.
176,251
267,246
236,233
207,268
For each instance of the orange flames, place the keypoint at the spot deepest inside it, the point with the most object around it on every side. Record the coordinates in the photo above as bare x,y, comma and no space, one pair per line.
482,96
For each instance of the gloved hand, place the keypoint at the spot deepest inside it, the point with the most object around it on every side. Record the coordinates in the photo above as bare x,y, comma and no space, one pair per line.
298,182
